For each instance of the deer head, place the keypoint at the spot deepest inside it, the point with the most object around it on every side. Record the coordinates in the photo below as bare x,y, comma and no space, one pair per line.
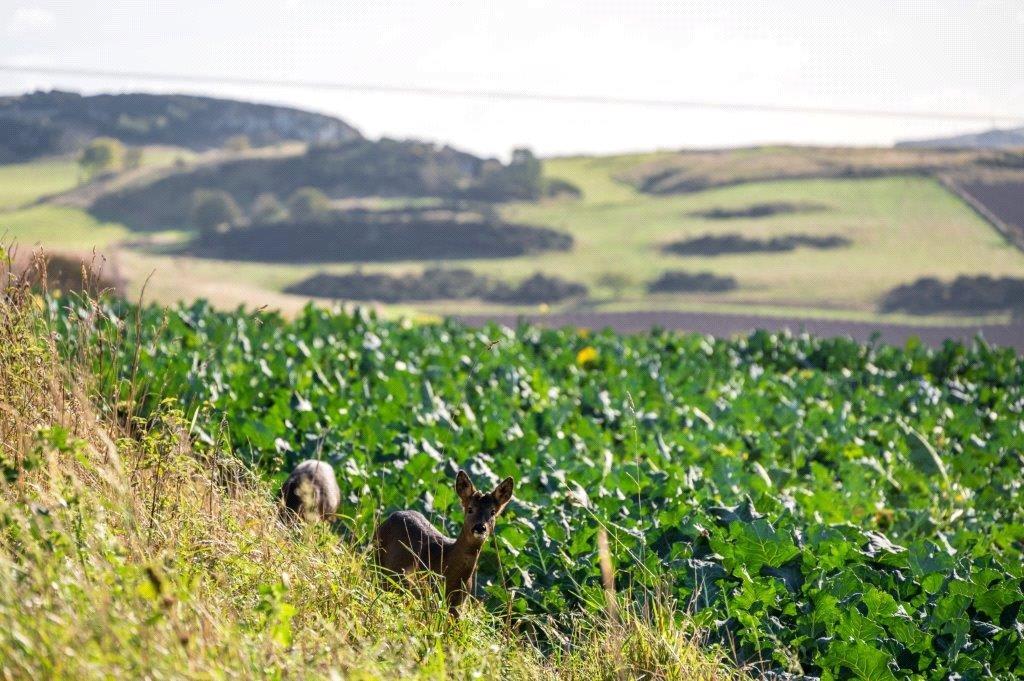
481,509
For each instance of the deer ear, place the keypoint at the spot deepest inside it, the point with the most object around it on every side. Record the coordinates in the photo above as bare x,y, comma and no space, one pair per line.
503,492
464,486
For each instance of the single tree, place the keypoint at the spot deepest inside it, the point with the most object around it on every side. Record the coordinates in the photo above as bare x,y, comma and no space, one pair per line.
308,204
213,210
617,282
267,208
102,155
525,173
132,158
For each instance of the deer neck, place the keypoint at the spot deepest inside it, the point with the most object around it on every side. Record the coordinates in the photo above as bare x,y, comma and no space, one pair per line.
461,556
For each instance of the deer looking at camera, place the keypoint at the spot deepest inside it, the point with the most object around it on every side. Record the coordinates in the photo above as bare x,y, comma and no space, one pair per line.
406,542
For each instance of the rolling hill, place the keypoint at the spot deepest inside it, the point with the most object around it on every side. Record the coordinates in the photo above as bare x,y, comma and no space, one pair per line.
52,123
1012,138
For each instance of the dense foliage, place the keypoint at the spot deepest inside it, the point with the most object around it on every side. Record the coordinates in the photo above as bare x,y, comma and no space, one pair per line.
720,244
437,283
835,509
356,168
758,210
373,236
677,280
964,294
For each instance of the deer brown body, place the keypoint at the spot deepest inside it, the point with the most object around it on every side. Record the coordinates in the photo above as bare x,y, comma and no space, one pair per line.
311,491
406,542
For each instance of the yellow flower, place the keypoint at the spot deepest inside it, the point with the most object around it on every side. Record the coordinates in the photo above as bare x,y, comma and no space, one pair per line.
587,355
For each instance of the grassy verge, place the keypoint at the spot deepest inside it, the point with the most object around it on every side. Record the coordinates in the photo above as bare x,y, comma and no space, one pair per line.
125,552
23,183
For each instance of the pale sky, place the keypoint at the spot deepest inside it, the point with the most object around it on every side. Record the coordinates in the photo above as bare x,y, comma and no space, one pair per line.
949,56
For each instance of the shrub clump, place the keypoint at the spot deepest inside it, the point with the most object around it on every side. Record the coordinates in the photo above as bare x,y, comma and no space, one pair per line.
539,288
757,210
557,188
691,282
433,284
308,204
437,284
962,295
720,244
366,235
214,210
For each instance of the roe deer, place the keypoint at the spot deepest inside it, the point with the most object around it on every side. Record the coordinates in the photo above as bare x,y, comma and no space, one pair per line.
311,491
407,542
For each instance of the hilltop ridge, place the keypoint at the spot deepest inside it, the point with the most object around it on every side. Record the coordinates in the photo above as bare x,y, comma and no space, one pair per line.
57,122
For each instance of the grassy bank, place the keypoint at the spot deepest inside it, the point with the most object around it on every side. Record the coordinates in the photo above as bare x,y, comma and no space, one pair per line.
126,552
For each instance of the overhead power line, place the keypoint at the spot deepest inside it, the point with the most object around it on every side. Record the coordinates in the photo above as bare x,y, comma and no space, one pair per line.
513,95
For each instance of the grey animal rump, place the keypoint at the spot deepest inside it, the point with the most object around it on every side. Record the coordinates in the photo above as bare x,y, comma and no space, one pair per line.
311,491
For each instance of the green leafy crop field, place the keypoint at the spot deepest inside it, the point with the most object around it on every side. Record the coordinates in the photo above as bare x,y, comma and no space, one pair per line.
828,508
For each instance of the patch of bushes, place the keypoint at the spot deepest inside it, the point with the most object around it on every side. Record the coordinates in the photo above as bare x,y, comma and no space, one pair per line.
1005,159
981,294
214,210
720,244
365,235
537,289
556,188
437,284
358,168
758,210
308,204
691,282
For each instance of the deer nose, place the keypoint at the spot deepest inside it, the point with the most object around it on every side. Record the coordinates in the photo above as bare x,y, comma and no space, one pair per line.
479,528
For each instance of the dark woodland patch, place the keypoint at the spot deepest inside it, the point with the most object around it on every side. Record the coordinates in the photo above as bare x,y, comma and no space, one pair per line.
691,282
437,284
357,168
379,236
982,294
758,210
720,244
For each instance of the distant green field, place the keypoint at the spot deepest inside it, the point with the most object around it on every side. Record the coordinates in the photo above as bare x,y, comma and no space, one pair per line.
23,183
901,228
59,227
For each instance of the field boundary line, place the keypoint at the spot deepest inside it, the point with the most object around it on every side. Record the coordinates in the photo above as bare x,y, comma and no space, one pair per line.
1006,230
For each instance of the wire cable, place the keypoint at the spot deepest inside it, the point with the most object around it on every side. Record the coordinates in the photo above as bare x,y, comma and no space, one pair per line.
513,95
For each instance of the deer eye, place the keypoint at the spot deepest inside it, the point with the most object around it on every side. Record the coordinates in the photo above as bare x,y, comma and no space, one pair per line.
469,509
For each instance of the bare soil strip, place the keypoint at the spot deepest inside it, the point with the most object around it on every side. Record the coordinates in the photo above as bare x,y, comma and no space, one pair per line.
1000,203
723,325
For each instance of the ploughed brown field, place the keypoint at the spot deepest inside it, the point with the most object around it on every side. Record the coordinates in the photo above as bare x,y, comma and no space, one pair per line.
1003,198
725,325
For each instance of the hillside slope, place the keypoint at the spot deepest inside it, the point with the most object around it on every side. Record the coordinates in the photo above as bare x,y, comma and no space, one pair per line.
127,552
996,138
46,123
360,168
